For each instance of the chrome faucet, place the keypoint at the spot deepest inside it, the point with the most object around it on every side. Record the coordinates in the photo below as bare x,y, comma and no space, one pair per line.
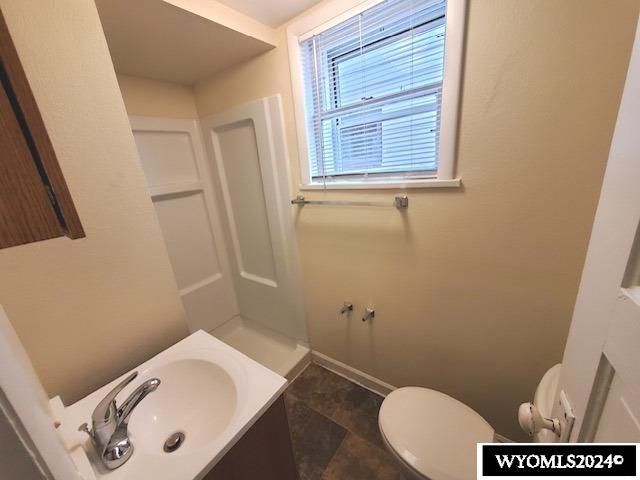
110,422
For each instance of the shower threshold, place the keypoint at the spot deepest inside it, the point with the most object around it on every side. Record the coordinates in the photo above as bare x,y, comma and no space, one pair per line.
275,351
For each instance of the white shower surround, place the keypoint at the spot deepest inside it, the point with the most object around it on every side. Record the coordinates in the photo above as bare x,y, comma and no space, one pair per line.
232,242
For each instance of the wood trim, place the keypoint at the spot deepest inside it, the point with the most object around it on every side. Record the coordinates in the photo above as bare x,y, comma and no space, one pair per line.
27,216
33,123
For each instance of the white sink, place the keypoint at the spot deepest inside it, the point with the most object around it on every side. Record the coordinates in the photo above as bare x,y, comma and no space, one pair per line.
173,407
209,391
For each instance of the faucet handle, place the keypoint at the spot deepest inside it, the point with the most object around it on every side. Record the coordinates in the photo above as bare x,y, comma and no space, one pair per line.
85,428
106,411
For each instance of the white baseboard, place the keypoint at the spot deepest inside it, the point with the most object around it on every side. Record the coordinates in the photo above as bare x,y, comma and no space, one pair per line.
356,376
367,381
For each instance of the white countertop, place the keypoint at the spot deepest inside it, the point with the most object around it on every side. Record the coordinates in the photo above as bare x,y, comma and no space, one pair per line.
210,391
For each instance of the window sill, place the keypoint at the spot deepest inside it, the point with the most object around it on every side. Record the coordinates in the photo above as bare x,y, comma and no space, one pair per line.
372,185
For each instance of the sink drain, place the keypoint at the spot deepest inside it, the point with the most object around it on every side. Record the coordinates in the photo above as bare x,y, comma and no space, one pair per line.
174,442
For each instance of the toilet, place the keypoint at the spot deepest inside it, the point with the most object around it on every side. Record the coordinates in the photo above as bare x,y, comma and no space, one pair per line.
434,436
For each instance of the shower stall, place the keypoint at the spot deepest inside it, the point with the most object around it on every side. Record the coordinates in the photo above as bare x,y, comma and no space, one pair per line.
221,189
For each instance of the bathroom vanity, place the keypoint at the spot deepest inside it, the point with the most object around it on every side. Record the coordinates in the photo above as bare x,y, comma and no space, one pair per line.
263,452
216,414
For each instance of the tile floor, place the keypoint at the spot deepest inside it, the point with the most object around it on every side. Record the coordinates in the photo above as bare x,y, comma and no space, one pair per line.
334,428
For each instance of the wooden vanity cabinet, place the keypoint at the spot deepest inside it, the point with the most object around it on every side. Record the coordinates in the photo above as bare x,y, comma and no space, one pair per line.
263,453
35,203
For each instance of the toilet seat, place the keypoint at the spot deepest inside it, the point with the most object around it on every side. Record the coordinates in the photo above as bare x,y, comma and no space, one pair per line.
433,434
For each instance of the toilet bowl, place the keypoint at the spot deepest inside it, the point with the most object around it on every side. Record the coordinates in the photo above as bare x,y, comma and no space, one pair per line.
432,435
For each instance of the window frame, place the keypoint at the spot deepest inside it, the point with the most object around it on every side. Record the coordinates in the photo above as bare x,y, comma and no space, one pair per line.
337,11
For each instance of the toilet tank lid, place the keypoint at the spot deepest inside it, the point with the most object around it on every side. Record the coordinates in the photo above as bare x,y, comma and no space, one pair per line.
546,391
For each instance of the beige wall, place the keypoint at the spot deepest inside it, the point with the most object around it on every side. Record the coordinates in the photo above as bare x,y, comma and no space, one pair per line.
154,98
89,309
474,287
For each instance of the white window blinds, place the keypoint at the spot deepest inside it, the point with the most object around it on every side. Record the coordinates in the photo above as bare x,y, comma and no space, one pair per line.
373,88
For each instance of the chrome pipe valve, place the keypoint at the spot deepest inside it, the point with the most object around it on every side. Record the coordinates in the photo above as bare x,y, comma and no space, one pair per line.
369,313
346,308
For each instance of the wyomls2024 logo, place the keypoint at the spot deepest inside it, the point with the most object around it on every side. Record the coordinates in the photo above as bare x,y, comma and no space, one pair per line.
552,460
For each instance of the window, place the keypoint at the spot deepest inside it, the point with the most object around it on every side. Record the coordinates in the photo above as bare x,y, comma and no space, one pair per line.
371,89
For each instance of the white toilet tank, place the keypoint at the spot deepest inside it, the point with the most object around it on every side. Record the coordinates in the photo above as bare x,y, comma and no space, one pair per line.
543,400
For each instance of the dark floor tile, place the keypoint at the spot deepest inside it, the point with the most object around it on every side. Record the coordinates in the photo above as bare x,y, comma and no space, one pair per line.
297,414
358,413
346,403
320,389
358,459
315,438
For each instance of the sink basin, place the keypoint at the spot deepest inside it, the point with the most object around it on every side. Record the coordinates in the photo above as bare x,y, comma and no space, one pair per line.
209,392
202,418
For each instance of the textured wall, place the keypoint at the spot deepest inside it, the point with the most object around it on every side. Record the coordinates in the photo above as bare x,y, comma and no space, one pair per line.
474,287
153,98
87,310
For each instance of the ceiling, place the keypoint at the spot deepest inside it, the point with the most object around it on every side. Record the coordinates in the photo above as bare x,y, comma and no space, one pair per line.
270,12
155,39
